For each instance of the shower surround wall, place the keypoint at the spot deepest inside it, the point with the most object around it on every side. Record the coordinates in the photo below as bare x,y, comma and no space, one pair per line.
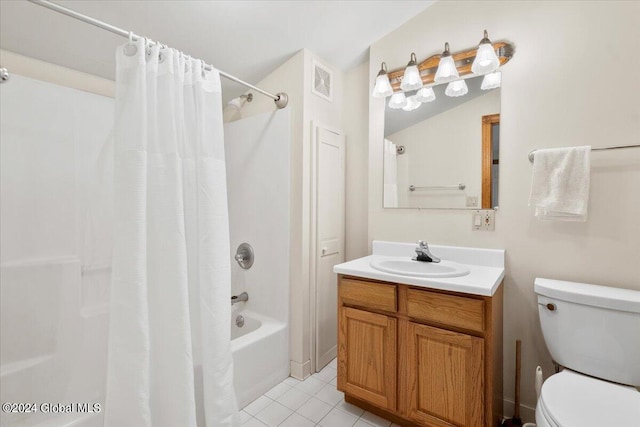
259,180
55,247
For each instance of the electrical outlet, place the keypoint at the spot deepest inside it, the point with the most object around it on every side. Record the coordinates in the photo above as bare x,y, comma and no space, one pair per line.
483,220
472,202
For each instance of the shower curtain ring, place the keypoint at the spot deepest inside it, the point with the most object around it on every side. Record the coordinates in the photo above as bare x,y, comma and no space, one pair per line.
130,48
147,46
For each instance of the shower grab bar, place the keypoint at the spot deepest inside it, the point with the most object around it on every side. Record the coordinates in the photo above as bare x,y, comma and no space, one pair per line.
438,187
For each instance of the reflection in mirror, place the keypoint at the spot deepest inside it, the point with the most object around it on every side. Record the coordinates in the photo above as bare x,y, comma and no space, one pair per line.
444,154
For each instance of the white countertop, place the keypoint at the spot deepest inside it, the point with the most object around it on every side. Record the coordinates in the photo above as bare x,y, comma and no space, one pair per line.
486,267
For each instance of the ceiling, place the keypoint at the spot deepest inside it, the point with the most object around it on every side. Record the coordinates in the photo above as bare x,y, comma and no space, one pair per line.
248,39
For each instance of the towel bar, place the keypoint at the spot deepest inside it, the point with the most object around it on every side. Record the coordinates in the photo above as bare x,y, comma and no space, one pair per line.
532,152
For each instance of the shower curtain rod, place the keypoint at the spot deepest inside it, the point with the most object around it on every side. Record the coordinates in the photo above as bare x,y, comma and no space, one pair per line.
281,99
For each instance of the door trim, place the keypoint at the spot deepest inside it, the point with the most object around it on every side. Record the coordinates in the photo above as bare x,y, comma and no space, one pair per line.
313,238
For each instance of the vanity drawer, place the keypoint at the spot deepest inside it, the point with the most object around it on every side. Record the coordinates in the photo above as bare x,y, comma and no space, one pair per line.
466,313
368,294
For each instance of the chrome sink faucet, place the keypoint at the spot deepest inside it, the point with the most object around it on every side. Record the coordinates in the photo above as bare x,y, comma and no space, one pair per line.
423,253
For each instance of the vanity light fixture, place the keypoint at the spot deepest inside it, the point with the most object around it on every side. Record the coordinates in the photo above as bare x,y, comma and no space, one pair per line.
449,67
457,88
397,101
425,94
382,88
491,80
447,70
412,104
411,79
486,59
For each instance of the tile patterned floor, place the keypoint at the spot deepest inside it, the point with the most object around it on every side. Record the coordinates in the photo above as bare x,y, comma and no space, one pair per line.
309,403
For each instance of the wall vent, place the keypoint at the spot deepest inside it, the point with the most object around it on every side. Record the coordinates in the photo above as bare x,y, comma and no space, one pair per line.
322,84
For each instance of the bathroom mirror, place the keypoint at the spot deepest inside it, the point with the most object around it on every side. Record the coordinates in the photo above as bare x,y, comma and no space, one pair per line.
445,153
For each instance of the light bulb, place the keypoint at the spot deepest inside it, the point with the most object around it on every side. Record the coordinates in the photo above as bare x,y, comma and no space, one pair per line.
425,94
486,59
412,104
398,100
491,81
457,88
411,79
447,70
382,88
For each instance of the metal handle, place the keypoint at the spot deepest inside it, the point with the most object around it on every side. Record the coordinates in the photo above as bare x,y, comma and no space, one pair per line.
244,256
551,307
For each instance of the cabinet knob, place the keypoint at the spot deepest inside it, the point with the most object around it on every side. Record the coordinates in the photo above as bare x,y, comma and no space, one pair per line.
551,307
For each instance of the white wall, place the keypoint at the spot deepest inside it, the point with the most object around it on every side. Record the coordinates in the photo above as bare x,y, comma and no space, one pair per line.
55,242
288,78
48,72
295,78
354,124
562,88
454,135
258,180
324,113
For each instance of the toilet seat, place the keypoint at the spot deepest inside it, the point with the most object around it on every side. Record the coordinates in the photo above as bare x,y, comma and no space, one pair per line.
570,399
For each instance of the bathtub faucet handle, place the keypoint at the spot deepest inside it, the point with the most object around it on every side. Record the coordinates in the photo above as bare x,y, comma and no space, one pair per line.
244,255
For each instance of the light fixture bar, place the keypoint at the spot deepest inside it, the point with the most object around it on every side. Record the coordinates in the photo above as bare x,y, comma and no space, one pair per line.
463,61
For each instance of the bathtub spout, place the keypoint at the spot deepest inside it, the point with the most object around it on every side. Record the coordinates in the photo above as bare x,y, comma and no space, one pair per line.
242,297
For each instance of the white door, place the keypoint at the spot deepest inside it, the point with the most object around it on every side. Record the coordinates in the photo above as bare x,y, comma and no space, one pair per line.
329,239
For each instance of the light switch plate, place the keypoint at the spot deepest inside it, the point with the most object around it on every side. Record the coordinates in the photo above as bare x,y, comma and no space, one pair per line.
483,220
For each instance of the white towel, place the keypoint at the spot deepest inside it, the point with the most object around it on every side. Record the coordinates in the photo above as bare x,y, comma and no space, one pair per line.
560,183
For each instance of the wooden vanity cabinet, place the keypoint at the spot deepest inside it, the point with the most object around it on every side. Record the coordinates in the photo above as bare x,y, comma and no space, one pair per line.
371,364
420,357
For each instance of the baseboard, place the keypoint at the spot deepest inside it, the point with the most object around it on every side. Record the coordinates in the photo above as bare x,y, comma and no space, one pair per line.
527,413
300,371
326,358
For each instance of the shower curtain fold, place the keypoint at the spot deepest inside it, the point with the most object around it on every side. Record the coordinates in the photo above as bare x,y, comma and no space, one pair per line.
170,291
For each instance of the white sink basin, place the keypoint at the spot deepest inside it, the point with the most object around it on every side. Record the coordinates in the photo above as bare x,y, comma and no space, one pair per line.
408,267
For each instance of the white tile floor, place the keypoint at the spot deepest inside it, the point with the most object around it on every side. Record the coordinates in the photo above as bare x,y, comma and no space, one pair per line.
312,402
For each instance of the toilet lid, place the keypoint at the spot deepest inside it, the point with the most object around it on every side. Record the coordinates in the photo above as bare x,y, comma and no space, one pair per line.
570,399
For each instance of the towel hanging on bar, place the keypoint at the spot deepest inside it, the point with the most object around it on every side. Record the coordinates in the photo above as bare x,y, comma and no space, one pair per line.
560,184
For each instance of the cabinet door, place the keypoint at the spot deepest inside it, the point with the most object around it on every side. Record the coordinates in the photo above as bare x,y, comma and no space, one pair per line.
367,356
444,376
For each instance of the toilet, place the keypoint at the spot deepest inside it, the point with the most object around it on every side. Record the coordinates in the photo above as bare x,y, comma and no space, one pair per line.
593,332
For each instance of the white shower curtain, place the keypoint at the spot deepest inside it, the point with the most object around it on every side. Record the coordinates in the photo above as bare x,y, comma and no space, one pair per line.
170,291
390,175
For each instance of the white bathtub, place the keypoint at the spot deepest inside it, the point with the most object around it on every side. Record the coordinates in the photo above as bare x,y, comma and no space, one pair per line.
260,354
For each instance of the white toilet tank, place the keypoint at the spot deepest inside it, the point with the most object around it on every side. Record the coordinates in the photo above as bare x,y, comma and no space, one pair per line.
592,329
